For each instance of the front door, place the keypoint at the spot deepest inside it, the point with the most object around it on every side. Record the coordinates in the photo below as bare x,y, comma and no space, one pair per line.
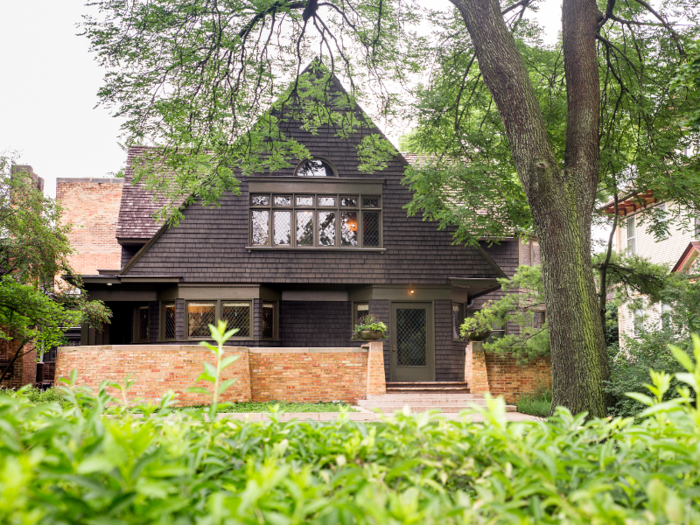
412,342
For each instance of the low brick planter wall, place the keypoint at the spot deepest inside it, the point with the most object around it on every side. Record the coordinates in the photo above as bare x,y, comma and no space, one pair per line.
501,375
262,374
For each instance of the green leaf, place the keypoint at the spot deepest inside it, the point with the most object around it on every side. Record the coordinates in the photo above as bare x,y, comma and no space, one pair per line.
642,398
682,358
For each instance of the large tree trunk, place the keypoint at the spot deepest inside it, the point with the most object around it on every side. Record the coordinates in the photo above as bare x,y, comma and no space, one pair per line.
561,196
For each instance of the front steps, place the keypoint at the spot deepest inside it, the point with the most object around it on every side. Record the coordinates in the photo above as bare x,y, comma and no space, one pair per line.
420,397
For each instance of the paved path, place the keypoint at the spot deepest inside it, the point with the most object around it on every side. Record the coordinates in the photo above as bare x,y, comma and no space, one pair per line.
355,416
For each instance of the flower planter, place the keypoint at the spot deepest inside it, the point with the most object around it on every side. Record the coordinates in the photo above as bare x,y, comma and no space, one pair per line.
481,335
371,335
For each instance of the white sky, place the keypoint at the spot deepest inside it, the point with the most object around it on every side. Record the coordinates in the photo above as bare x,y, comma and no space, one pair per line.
48,90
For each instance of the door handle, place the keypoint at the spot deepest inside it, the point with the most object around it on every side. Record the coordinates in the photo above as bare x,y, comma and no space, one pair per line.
393,348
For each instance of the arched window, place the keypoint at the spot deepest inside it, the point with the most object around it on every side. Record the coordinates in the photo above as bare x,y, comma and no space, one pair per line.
315,168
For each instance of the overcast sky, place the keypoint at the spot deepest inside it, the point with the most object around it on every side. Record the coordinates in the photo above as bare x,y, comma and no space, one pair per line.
48,90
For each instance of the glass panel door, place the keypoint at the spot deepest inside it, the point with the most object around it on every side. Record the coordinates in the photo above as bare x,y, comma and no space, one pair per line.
412,342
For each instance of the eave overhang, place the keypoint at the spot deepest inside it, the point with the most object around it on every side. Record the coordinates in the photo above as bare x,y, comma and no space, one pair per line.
476,287
630,204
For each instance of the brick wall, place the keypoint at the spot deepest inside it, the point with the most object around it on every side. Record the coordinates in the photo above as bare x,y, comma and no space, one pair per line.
92,207
156,369
308,376
500,375
23,370
295,375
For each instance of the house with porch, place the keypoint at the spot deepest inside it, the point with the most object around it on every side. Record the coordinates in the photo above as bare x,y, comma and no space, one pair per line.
293,262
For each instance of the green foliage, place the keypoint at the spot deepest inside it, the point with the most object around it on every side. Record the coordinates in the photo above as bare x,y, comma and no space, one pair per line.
688,80
34,250
370,322
631,361
37,396
519,308
537,404
73,465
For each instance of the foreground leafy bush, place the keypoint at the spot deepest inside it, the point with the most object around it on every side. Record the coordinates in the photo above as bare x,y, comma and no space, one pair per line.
77,466
34,395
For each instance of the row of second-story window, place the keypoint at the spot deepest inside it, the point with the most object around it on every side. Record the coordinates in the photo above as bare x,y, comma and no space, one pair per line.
319,220
200,314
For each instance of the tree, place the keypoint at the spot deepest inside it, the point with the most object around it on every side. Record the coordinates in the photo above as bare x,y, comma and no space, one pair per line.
190,78
34,250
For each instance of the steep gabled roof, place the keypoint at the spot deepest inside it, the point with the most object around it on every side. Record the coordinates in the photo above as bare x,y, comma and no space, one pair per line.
136,220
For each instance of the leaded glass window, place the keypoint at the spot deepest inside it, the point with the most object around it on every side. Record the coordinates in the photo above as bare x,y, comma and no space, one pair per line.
324,221
315,168
237,316
326,228
169,321
268,320
142,323
199,316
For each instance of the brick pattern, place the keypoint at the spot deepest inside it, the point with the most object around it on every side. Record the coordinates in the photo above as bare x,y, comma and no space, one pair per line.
308,377
92,207
475,371
381,308
155,370
500,375
23,371
376,383
510,380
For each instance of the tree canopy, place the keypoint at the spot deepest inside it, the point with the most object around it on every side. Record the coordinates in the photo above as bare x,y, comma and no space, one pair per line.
36,305
542,133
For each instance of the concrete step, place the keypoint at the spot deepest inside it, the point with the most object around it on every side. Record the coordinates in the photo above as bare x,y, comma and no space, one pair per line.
421,401
441,390
423,408
418,384
427,386
432,396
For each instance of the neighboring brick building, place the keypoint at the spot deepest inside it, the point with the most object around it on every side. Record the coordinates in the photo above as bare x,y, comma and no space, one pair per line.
638,239
92,205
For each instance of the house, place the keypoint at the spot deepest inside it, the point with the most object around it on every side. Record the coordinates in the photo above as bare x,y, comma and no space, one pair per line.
293,262
634,237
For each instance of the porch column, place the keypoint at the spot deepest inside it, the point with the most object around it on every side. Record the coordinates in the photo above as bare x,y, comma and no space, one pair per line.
475,373
376,383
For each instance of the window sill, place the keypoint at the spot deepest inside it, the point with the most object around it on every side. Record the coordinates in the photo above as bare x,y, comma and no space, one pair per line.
314,249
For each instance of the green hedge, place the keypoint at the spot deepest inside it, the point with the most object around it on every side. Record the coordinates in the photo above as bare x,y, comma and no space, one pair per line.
79,465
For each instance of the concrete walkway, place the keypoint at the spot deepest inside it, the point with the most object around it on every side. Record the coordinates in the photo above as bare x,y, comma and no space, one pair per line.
356,416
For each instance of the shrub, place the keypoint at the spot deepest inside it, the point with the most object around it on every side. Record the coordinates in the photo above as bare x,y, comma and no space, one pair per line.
537,404
75,466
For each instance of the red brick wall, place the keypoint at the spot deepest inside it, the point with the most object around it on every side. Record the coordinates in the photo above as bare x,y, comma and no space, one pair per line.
24,368
511,380
376,382
92,207
500,374
316,376
293,375
156,369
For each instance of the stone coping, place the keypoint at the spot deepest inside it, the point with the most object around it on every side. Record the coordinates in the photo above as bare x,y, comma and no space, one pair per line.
198,348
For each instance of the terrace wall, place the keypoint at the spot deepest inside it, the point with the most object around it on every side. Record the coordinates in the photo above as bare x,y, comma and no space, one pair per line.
262,374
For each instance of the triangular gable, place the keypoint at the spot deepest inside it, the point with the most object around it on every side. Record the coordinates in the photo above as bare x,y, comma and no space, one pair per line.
689,262
322,143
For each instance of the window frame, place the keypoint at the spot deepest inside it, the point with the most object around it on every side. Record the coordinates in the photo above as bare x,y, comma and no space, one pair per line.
631,220
275,320
137,331
163,307
315,209
218,313
322,159
353,316
461,314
